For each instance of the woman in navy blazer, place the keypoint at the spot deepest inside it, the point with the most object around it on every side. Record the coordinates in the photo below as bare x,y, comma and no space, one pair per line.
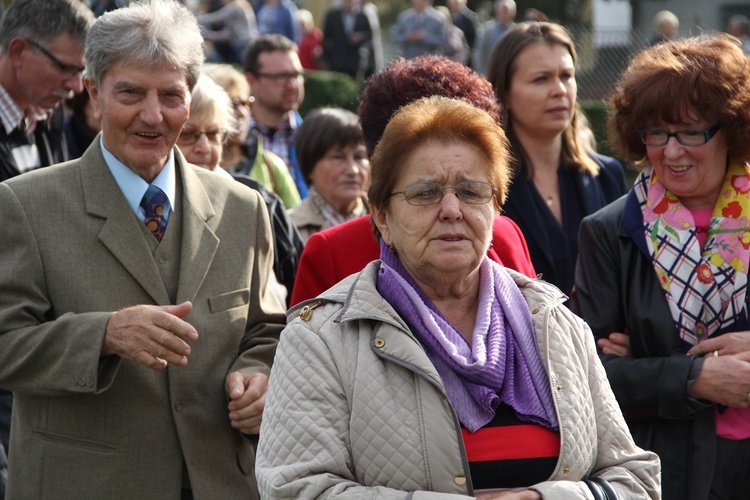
558,178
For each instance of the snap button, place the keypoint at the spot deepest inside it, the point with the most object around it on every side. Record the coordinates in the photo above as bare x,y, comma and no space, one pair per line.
566,470
379,343
535,310
559,388
460,480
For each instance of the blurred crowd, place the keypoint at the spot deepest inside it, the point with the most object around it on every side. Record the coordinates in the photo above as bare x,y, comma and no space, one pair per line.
449,293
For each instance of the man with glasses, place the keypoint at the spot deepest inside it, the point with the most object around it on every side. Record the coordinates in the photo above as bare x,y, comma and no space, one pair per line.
274,72
41,62
41,59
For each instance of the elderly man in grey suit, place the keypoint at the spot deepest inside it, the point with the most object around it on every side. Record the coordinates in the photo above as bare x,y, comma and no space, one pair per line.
137,327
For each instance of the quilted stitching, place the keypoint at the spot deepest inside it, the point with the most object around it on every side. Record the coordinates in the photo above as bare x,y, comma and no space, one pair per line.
334,395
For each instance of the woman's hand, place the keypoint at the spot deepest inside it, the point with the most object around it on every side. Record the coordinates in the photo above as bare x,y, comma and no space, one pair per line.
729,343
617,344
511,495
724,379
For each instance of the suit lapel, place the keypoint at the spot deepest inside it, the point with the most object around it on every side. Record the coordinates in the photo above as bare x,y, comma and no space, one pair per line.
199,243
120,233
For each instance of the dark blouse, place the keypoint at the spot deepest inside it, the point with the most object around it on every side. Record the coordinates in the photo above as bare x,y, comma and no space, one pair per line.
554,246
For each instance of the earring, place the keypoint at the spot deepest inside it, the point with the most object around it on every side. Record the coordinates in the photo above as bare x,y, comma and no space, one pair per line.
392,248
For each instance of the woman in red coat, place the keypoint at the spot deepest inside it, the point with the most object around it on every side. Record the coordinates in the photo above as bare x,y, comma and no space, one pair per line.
335,253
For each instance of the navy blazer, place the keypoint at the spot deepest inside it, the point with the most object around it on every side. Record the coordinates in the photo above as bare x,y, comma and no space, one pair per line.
582,194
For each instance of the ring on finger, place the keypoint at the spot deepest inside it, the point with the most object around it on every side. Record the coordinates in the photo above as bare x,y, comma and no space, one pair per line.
716,353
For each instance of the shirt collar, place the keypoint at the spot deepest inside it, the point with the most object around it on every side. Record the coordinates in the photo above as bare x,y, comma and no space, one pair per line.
287,124
11,115
133,187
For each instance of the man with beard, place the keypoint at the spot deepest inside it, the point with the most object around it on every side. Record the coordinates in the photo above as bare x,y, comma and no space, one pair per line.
274,72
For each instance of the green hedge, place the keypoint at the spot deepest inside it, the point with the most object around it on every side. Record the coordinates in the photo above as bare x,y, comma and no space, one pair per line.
328,88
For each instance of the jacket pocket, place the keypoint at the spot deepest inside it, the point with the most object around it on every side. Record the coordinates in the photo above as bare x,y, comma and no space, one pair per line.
229,300
76,442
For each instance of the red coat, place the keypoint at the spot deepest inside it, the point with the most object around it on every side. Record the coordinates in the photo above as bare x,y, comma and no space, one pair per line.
333,254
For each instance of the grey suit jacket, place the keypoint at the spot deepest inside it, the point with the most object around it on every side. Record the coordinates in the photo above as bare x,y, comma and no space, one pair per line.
87,426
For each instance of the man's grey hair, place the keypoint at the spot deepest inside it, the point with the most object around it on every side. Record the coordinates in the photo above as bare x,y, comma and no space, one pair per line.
148,34
45,20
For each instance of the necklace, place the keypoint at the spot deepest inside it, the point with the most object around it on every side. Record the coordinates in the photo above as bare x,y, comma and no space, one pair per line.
549,200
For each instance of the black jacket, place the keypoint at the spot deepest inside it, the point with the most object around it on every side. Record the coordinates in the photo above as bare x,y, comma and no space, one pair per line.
49,139
616,290
339,53
287,242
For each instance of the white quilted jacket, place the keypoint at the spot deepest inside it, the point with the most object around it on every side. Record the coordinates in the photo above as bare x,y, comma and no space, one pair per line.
355,409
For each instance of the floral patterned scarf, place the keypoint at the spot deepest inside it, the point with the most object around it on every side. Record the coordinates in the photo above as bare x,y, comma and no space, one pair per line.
705,290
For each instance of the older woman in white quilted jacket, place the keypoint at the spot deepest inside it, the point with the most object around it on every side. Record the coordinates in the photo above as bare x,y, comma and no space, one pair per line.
436,373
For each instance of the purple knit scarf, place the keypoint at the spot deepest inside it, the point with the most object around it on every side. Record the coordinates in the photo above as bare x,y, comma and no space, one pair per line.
503,362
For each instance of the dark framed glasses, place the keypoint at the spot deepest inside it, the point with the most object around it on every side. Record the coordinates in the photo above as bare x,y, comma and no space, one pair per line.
684,137
430,193
68,69
281,78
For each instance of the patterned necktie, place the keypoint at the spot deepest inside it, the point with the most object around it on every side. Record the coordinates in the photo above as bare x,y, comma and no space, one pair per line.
156,205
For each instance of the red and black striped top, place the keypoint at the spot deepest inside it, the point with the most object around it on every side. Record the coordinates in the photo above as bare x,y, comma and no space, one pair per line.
510,453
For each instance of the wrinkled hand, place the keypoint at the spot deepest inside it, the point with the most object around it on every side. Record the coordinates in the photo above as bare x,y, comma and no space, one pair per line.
154,336
729,343
511,495
247,392
724,380
616,343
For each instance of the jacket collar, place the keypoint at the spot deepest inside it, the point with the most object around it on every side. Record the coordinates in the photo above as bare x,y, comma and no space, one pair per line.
122,236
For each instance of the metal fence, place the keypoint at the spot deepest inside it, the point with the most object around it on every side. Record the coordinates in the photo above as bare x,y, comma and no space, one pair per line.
602,57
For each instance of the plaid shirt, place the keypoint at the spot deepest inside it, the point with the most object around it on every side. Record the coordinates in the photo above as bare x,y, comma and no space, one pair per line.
281,140
11,115
25,152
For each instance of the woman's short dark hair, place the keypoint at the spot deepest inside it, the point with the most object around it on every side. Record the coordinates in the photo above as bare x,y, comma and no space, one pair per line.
323,129
406,80
704,77
500,70
444,120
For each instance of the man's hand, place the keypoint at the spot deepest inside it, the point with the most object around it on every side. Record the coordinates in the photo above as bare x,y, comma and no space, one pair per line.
153,336
247,392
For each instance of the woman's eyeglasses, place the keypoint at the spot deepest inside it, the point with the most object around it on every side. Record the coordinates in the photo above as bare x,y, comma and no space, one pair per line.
430,193
684,137
190,137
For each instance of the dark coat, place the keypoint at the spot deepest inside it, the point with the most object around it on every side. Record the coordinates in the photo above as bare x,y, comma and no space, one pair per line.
49,139
616,289
339,54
